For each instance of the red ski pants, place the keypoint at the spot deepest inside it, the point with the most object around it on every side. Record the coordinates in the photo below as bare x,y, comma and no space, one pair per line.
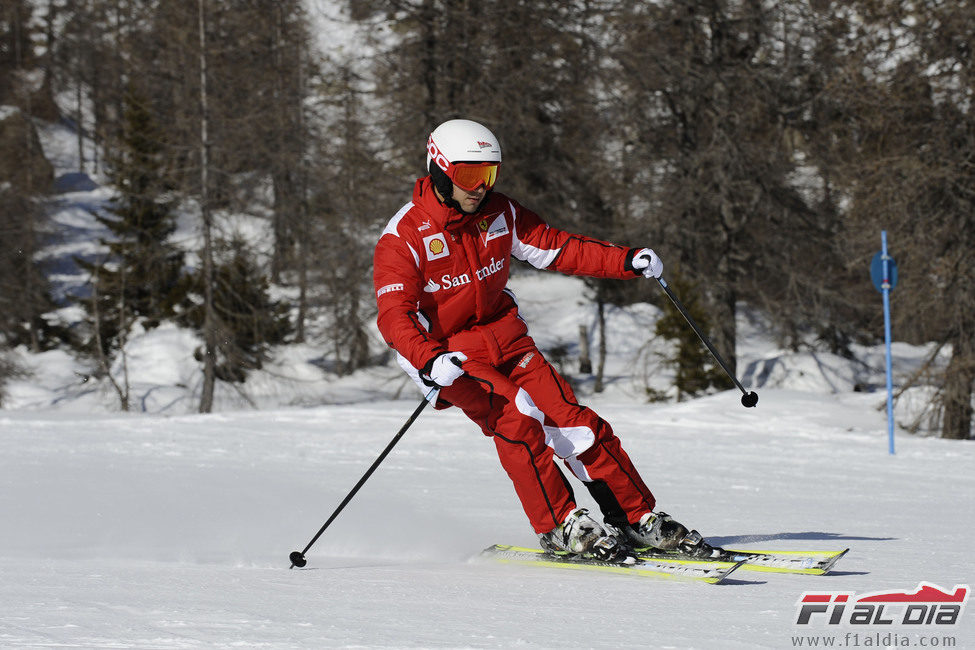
533,416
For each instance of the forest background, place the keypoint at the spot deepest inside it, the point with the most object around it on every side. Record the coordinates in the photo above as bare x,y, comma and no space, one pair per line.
761,146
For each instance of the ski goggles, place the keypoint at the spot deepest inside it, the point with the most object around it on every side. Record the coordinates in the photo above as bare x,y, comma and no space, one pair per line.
470,176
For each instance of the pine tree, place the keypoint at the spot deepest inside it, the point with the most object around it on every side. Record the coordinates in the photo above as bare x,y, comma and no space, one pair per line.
248,320
25,178
696,370
141,276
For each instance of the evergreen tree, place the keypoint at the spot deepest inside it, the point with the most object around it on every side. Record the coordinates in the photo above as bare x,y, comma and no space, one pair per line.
25,178
141,276
25,293
696,370
248,320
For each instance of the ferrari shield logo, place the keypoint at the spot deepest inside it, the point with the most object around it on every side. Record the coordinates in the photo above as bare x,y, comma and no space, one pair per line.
492,228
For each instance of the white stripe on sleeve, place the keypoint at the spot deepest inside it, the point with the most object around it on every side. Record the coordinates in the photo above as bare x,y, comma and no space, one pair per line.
540,258
393,224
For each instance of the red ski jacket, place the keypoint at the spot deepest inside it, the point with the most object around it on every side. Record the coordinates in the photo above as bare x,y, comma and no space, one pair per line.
440,274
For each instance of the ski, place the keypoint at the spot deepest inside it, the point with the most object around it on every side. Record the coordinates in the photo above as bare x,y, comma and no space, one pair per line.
710,571
808,562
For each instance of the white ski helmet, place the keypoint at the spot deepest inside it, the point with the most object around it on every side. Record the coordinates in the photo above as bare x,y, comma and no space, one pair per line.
465,153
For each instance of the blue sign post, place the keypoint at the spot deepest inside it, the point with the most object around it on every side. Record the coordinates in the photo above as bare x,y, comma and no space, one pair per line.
883,272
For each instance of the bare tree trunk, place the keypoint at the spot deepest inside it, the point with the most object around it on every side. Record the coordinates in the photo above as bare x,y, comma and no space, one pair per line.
303,217
959,382
103,360
123,339
79,122
29,182
585,361
280,172
209,318
428,72
724,295
35,342
601,352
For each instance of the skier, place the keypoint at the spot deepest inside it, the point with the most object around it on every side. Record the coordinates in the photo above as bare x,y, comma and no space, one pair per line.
440,270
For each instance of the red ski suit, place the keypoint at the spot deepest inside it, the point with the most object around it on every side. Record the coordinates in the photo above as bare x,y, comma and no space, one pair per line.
440,277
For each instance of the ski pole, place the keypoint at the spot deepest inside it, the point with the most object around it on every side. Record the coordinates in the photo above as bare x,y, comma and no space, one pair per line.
298,557
748,399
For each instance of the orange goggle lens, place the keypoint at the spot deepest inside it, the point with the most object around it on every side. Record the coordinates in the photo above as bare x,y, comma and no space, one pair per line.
471,176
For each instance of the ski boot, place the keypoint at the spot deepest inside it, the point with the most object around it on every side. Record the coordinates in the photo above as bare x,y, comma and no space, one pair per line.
581,535
658,531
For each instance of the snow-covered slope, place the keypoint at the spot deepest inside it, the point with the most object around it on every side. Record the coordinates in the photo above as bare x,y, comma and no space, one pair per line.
151,531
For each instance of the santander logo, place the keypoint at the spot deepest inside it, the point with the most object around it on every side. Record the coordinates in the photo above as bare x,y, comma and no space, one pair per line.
448,281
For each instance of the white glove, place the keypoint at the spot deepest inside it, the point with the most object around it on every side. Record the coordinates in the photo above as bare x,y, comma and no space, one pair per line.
647,262
444,369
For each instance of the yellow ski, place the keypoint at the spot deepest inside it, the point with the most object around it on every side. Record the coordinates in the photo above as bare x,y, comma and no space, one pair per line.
710,571
808,562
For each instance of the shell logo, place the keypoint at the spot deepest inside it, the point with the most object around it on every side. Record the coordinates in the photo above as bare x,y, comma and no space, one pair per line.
436,246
